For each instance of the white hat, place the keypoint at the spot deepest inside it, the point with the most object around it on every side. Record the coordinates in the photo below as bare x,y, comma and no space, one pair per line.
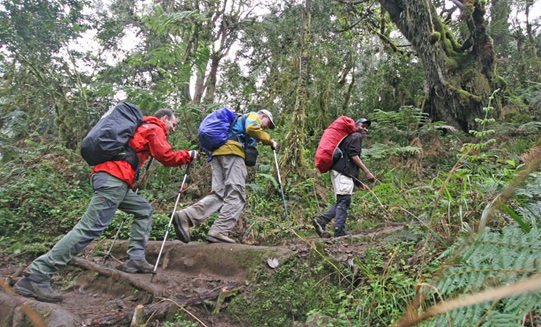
268,114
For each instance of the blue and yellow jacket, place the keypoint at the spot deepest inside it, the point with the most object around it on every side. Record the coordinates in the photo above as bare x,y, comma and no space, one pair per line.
253,129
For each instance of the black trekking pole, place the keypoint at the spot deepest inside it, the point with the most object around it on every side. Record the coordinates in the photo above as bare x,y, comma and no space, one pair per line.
108,254
171,219
282,189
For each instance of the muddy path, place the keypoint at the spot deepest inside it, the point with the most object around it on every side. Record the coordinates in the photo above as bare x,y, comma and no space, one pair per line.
195,279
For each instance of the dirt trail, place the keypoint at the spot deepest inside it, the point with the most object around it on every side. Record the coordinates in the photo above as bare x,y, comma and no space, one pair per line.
197,276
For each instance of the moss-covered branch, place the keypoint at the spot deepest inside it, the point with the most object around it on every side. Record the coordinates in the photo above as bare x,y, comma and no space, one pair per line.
463,94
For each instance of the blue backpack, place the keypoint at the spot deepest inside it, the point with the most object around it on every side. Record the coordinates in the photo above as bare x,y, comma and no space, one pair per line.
213,130
108,139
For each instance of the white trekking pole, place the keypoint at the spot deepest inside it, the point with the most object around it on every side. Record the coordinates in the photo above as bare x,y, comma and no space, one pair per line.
282,189
171,220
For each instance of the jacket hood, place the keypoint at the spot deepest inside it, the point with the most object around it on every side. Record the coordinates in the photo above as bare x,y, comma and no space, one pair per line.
154,120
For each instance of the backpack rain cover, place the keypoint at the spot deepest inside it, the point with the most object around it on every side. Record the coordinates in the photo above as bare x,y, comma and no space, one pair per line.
331,138
108,139
213,130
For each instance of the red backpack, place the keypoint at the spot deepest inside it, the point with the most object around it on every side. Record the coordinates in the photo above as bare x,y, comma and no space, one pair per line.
331,138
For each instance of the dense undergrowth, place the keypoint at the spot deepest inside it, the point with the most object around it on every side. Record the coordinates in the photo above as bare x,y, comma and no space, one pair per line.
443,184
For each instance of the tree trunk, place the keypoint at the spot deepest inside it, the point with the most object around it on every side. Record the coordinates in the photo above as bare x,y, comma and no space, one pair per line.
531,37
199,88
212,77
296,137
459,78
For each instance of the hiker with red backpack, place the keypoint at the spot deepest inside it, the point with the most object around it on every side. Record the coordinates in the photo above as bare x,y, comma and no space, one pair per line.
229,159
112,182
344,169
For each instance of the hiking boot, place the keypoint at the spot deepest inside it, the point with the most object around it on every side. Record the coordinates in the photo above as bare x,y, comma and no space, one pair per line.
181,224
136,266
320,229
217,237
41,291
340,232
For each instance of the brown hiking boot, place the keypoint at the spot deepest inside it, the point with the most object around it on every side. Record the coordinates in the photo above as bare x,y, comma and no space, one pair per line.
320,229
181,224
41,291
136,266
217,237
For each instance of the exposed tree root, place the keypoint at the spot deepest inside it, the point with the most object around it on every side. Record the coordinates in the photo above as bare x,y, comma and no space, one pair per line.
161,308
153,289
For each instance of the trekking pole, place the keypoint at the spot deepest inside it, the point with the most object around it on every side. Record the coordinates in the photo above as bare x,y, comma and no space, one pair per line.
108,254
171,220
282,189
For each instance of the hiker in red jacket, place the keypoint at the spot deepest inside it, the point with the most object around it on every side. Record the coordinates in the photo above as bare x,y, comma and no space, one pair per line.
112,182
344,176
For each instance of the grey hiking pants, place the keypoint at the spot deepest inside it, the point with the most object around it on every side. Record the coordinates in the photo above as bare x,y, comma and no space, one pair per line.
228,195
110,194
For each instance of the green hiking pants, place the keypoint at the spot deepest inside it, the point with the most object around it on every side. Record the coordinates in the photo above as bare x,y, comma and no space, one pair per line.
110,194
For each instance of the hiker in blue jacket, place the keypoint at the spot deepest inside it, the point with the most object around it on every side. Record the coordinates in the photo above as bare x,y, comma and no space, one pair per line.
344,176
228,181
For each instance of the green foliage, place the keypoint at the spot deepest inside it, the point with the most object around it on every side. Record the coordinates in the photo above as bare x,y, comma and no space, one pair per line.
407,119
289,293
180,321
34,205
282,297
386,285
486,260
263,195
372,288
393,132
481,135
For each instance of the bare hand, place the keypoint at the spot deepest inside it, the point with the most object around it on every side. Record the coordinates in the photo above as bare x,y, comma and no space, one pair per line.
370,177
193,154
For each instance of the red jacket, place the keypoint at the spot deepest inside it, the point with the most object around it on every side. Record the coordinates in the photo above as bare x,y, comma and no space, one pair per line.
149,139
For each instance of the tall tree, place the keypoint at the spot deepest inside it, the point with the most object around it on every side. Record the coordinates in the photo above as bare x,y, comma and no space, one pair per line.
459,71
296,135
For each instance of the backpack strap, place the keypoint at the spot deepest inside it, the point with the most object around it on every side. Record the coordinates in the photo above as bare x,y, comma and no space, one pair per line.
235,137
245,134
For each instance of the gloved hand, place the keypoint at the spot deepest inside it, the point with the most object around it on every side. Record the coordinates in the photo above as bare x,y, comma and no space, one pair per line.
193,154
274,145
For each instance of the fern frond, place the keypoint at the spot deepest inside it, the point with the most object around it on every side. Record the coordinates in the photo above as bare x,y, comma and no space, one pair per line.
500,319
487,260
408,149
